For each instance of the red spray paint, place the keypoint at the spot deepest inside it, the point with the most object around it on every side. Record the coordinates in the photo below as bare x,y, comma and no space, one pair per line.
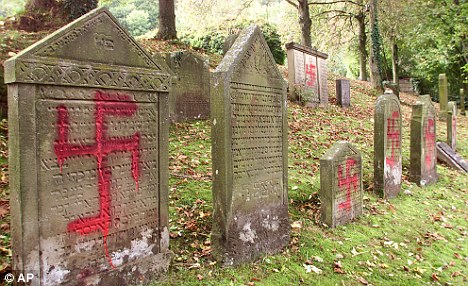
429,137
350,181
393,134
107,104
310,71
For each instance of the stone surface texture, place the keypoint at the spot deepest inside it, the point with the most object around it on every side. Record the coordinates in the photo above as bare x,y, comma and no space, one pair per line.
340,184
249,131
88,157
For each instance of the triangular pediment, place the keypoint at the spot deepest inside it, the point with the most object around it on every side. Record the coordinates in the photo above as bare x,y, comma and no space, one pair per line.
250,58
95,37
339,150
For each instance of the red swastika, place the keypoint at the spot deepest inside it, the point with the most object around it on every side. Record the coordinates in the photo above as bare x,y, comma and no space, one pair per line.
429,136
107,104
349,182
310,71
393,135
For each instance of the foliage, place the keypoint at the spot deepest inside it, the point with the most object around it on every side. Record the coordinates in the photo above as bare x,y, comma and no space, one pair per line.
77,8
138,16
11,7
213,41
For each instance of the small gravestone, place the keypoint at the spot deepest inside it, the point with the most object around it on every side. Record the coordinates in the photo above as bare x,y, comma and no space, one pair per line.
452,125
423,142
190,93
447,155
343,93
249,133
88,163
340,184
307,74
387,146
443,96
462,102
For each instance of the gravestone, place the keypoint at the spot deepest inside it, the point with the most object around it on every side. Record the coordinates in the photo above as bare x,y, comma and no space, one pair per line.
422,147
340,184
249,133
190,93
462,102
307,74
387,146
443,96
447,155
343,93
89,160
452,125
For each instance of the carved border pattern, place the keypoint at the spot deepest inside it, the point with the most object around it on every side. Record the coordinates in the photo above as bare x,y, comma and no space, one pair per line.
91,76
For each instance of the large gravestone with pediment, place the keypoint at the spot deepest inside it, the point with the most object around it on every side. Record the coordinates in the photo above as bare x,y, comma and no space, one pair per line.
423,152
190,93
88,125
249,133
307,74
387,146
340,184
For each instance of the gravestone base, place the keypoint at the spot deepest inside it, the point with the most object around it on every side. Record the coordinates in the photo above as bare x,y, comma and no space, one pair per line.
253,235
446,155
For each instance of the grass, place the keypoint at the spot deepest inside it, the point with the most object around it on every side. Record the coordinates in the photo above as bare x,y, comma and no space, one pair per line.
415,239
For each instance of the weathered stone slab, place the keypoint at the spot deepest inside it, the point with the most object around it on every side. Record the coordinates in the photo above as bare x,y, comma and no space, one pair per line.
343,93
340,184
423,135
452,125
443,96
307,74
249,133
387,146
462,102
190,93
88,157
446,155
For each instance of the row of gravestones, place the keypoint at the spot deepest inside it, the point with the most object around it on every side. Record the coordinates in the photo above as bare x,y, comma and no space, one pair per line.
88,138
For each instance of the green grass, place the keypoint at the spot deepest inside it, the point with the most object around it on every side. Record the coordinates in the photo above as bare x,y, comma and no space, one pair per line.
415,239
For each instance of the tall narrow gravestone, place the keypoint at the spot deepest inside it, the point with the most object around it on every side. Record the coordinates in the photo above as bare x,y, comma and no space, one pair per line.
88,163
249,133
387,146
443,96
343,93
462,102
190,93
307,74
340,184
423,142
452,125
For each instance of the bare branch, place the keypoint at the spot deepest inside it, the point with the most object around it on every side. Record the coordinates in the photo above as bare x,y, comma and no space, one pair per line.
292,3
341,12
335,2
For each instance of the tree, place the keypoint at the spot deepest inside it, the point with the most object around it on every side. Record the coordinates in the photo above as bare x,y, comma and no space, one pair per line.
302,7
167,28
375,60
77,8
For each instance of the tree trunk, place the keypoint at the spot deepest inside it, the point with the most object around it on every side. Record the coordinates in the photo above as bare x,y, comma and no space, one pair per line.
361,18
304,22
374,60
167,28
395,61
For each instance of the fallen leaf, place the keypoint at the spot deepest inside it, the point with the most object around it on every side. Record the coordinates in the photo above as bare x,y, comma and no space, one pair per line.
434,277
199,277
362,280
310,268
455,274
